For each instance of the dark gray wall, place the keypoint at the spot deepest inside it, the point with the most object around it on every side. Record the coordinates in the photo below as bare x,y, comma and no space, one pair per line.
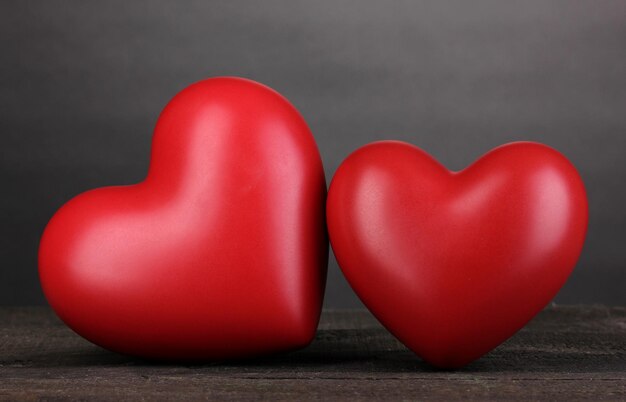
82,83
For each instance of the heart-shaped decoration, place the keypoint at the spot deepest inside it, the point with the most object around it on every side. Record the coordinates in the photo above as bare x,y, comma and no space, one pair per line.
220,253
454,263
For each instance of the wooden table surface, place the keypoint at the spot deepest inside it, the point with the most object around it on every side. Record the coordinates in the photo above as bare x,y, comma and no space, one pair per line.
565,353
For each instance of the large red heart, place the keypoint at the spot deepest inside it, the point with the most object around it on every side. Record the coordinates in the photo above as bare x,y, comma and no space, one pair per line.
220,253
454,263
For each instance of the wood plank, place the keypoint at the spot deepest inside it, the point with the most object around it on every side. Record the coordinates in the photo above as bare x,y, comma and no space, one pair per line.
564,353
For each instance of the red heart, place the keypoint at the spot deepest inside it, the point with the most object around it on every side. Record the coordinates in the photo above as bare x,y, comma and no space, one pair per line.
221,252
454,263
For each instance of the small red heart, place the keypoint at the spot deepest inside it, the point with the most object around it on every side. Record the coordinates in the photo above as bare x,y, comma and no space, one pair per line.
454,263
220,253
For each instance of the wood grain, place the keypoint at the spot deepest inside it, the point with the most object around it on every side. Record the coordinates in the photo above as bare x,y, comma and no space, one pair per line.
575,353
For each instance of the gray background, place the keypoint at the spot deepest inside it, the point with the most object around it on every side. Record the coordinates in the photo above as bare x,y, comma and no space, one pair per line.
82,83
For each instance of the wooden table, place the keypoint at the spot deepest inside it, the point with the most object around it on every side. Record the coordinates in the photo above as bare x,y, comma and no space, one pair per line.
565,353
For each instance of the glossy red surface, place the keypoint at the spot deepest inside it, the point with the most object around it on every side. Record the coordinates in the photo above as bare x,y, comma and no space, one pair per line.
454,263
220,253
